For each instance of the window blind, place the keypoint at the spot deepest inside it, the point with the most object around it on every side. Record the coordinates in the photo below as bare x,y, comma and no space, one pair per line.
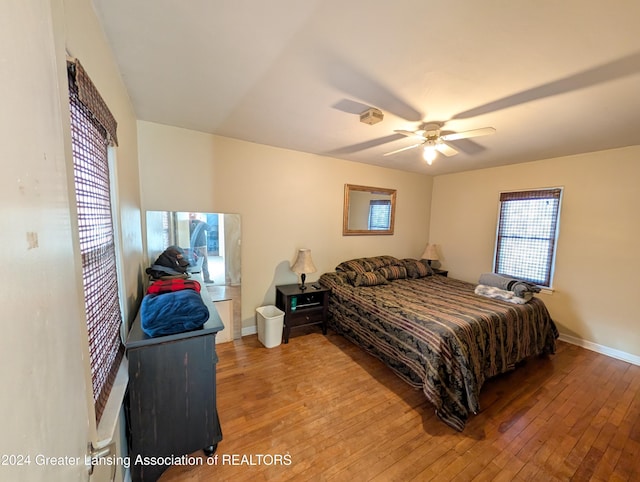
527,231
97,246
379,214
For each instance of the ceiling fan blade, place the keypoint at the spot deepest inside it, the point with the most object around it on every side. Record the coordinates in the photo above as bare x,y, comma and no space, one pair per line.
446,149
361,146
403,149
418,134
466,134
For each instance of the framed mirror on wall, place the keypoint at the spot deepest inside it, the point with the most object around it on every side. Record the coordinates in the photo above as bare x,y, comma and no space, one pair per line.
368,210
213,241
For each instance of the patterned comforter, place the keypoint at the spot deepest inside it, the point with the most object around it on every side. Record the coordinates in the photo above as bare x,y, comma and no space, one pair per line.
438,335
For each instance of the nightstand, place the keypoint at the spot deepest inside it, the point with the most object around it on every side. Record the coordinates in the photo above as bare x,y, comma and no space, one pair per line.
302,308
441,272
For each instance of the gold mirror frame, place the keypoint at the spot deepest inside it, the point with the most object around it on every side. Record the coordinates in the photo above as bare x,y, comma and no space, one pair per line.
357,203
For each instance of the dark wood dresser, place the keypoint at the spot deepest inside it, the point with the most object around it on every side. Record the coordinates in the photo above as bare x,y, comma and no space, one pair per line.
171,401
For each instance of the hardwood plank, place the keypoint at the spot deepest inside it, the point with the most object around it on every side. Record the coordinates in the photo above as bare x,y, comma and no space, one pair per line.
338,414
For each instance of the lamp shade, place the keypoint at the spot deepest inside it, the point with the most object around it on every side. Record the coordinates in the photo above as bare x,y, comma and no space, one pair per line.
303,263
431,252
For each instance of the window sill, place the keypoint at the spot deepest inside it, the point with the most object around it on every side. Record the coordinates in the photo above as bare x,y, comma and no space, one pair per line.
109,420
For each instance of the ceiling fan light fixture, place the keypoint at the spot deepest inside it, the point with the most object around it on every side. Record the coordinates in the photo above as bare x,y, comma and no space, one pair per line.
432,142
429,152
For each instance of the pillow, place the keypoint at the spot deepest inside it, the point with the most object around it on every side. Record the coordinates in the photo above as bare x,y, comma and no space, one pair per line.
428,266
370,278
358,265
378,262
416,268
332,279
394,272
363,265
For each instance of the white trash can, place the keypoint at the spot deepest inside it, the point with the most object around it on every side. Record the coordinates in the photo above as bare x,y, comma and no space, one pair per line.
270,320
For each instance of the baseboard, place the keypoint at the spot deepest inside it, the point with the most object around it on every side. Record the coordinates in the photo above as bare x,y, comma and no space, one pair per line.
249,330
604,350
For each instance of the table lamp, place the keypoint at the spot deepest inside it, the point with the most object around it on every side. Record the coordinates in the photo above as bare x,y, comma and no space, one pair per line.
303,265
430,253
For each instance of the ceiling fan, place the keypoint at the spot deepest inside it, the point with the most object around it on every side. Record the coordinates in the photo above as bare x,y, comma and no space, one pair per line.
433,142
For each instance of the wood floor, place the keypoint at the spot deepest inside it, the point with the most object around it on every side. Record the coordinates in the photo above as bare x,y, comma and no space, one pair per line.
319,408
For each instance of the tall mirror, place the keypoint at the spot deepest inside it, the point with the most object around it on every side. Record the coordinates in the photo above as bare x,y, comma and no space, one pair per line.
368,210
212,242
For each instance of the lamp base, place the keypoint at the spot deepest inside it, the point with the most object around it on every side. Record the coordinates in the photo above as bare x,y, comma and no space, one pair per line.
303,277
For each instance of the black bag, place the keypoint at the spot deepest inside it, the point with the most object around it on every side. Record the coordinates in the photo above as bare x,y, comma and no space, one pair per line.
171,262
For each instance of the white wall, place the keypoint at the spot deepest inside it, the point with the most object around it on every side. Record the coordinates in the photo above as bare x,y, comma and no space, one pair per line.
598,261
44,404
41,371
287,200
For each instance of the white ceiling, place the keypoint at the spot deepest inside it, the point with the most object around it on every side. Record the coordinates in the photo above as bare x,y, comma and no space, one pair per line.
554,78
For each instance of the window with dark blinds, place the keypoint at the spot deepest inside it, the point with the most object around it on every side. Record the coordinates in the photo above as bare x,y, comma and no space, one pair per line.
527,233
380,214
97,247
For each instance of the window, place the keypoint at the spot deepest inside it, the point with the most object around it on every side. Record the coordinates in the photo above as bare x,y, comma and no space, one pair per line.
91,127
379,214
527,234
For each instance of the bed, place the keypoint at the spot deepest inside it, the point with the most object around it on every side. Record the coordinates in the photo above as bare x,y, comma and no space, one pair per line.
434,331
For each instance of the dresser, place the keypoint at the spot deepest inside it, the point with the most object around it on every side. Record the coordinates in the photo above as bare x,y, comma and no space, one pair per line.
171,400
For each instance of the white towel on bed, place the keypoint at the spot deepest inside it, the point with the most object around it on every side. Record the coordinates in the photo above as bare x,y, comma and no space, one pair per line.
497,293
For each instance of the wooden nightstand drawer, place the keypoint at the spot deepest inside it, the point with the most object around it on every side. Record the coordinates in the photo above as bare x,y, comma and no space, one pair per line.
303,317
